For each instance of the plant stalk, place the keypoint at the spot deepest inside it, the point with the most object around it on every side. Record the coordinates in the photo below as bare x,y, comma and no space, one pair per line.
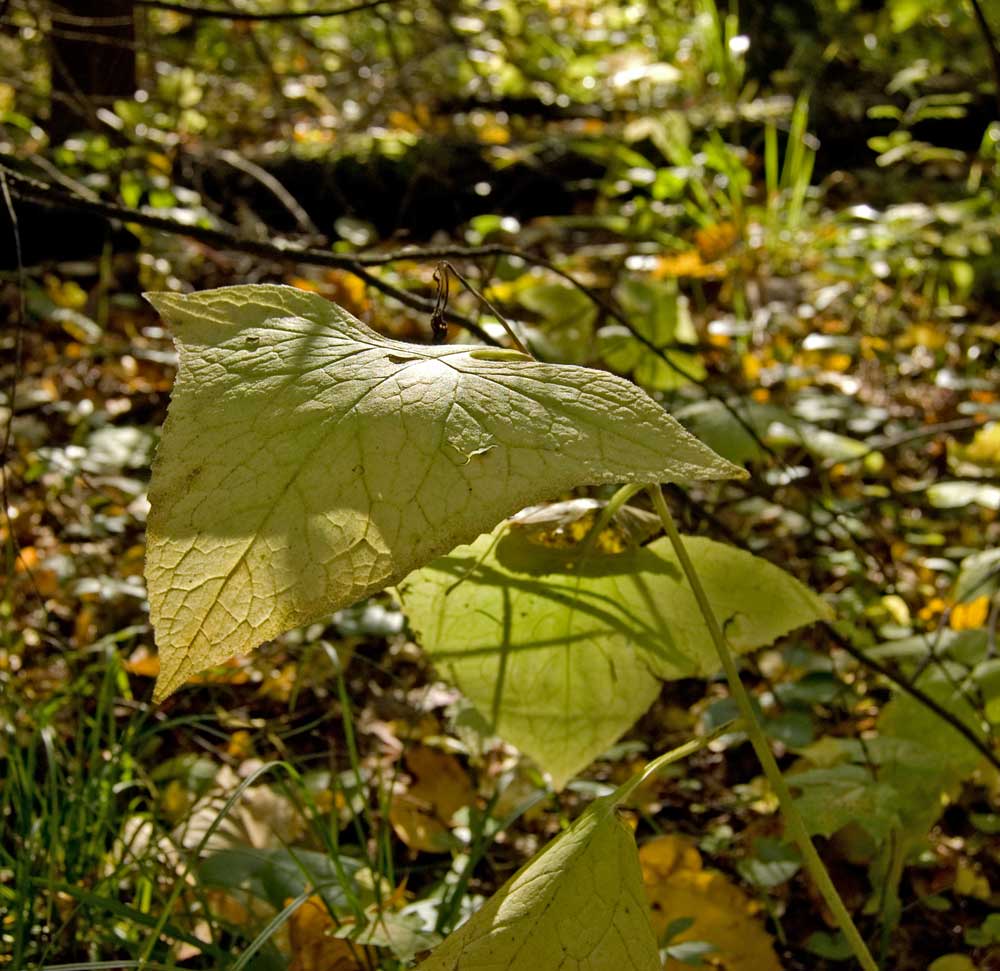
793,820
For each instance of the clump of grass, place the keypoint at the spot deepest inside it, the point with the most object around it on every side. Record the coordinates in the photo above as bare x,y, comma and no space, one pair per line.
80,877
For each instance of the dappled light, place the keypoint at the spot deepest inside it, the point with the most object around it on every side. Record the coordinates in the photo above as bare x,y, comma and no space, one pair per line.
508,485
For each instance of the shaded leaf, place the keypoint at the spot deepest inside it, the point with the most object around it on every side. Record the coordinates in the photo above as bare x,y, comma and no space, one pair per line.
831,798
313,946
441,787
562,651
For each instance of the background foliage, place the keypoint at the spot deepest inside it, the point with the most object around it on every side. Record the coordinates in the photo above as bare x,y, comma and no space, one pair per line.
779,220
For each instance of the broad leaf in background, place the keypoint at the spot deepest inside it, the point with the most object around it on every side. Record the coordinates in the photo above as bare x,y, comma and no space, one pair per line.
307,461
566,329
577,905
660,314
979,576
562,651
898,782
737,439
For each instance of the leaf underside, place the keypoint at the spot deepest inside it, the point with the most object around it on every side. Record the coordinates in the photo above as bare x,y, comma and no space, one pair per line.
308,462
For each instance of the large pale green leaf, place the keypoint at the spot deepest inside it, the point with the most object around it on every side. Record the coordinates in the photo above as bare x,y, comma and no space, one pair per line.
577,906
563,651
307,461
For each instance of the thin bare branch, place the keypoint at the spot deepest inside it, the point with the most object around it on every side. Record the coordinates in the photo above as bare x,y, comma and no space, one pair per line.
918,694
193,10
44,194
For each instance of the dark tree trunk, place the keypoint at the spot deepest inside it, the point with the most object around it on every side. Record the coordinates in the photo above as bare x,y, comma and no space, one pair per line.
93,64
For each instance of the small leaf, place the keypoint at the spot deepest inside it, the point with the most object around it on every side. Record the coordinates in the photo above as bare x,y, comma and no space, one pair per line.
983,451
971,615
953,962
441,787
832,798
953,495
979,575
577,905
313,946
563,652
308,462
833,947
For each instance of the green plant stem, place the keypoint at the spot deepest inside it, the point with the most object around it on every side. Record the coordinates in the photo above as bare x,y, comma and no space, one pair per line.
626,791
793,820
615,503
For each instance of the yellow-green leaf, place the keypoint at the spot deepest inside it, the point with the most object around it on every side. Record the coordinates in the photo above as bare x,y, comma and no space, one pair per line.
562,651
577,906
307,462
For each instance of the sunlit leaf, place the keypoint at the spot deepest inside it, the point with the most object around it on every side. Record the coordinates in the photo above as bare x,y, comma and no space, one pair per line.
659,314
577,906
307,461
983,451
953,495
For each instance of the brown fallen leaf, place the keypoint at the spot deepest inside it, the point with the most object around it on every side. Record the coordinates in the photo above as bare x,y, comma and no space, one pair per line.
313,946
441,787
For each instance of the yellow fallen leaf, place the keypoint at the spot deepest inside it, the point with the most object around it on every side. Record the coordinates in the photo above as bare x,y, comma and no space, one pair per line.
839,362
716,240
677,886
971,615
751,367
688,263
969,882
952,962
347,290
142,663
932,610
984,449
441,787
494,134
240,745
65,293
929,335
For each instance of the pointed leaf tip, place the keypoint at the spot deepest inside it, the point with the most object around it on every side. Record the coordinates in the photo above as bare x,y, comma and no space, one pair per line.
577,905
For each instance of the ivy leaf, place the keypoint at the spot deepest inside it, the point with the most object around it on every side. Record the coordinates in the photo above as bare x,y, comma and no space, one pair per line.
563,651
893,783
308,462
577,905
